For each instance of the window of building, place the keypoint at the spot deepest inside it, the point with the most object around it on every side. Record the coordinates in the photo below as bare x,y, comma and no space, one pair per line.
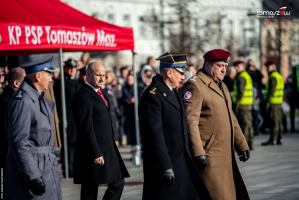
269,40
207,29
277,38
142,28
96,15
155,27
231,28
110,18
242,41
219,32
252,24
126,21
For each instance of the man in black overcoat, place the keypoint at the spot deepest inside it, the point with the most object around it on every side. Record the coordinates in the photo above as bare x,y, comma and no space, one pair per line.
15,78
71,132
169,172
97,159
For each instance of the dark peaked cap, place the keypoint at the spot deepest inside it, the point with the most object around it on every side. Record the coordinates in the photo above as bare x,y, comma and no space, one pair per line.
173,58
70,63
41,63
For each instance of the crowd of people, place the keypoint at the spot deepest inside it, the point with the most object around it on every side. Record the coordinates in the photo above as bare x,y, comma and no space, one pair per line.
259,118
256,105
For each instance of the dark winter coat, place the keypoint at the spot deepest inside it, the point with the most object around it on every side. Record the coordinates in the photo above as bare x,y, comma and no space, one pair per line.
95,139
163,125
114,112
4,100
70,90
128,93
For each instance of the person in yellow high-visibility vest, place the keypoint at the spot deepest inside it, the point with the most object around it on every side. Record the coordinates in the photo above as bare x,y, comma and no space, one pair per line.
274,97
242,101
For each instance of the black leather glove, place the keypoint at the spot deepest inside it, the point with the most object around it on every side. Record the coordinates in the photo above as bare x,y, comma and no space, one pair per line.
245,155
37,186
168,177
201,162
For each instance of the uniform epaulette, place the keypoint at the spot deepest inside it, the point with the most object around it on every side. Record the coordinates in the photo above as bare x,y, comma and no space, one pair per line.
152,91
19,95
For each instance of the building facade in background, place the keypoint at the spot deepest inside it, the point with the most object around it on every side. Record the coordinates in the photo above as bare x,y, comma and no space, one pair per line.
193,27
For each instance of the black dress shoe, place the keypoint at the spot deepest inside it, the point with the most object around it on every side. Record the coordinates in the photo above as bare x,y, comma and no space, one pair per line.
250,147
269,142
279,142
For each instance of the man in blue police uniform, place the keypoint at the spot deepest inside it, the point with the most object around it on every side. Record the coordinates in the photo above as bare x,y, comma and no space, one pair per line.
31,166
169,172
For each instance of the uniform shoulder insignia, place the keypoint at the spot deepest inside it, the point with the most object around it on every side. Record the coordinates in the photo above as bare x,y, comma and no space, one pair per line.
193,78
153,91
19,95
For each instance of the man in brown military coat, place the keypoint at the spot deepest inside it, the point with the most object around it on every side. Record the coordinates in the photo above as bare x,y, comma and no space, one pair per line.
214,130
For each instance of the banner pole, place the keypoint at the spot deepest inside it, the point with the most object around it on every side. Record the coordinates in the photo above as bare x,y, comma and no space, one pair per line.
137,149
64,122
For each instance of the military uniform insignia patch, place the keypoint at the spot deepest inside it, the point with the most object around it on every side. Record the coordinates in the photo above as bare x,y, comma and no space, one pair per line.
164,94
19,96
187,95
153,91
193,79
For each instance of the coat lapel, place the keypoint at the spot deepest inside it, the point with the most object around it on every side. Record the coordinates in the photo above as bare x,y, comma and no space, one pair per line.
173,100
96,95
43,108
216,89
208,81
161,85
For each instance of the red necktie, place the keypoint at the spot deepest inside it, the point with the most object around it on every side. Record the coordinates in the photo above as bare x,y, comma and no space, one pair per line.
101,94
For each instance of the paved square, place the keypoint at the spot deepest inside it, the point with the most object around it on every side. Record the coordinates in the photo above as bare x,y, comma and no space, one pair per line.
271,173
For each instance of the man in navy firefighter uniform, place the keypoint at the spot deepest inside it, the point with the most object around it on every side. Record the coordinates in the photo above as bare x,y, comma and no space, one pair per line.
169,172
31,166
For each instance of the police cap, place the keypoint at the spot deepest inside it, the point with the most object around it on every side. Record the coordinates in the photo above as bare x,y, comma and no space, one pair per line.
41,63
70,63
173,60
217,55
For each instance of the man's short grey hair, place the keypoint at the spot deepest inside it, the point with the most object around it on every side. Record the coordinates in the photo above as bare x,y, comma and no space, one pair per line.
163,70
